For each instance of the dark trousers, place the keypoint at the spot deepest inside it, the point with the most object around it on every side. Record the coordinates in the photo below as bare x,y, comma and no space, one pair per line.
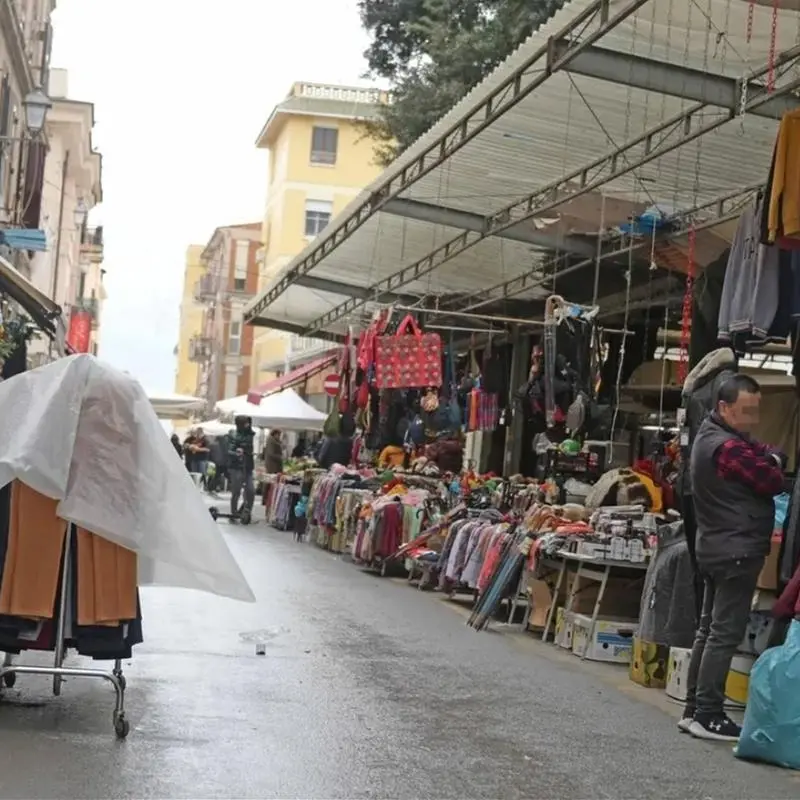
727,599
242,480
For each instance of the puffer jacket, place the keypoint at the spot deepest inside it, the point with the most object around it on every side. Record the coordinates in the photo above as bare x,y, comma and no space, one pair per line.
699,394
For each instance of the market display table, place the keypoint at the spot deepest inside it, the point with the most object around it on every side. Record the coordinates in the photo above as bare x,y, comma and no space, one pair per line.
589,568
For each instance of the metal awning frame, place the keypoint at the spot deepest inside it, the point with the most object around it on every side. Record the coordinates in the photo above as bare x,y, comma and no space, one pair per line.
518,85
713,96
675,132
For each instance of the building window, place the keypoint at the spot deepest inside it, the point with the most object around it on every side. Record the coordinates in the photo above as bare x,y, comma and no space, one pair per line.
240,266
324,143
235,338
318,215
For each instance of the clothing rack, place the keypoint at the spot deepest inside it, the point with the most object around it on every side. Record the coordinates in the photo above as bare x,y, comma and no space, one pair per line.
9,670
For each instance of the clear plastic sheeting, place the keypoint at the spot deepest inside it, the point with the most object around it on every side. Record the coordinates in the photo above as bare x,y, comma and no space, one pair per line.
85,434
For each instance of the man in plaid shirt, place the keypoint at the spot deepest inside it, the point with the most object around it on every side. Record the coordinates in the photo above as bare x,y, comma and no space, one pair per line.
735,480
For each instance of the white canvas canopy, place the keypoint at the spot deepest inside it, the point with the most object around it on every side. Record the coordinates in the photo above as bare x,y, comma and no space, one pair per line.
174,406
215,428
86,434
285,410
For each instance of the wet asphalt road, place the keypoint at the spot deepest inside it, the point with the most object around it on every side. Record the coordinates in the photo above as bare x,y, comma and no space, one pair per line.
367,689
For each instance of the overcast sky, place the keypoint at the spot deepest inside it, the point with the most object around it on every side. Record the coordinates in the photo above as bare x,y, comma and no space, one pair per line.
181,89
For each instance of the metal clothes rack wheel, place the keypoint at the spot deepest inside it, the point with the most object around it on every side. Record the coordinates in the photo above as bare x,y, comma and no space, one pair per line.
9,670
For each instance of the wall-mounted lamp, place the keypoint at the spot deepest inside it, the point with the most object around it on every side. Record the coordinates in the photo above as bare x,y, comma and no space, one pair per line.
36,104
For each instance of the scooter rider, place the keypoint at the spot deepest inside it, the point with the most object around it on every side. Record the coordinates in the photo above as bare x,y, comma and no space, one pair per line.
241,464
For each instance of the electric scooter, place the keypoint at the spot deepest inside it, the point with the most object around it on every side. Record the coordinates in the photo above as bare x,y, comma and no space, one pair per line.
243,515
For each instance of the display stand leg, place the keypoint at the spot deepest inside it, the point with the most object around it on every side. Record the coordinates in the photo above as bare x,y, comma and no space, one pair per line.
59,650
9,678
596,610
552,610
8,671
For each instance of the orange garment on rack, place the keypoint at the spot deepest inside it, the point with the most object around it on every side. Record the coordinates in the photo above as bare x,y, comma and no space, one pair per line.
107,581
33,558
784,199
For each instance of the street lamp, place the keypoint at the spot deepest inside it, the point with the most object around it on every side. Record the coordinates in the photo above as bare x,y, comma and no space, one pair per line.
80,214
37,104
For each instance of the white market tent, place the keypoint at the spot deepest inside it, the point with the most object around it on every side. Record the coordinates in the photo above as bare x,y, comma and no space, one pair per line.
174,406
85,434
215,427
285,410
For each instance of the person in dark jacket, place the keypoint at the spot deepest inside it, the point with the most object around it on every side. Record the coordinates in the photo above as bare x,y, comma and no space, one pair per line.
241,463
338,449
273,453
176,443
734,480
219,455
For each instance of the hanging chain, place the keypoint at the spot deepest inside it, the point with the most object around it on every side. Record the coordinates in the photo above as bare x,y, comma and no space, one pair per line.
686,314
751,7
773,41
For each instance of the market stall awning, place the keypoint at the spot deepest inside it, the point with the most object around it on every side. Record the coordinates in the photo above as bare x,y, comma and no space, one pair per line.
44,311
285,410
32,239
291,379
174,406
610,108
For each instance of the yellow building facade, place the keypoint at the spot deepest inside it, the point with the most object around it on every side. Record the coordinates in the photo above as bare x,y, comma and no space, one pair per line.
319,160
191,322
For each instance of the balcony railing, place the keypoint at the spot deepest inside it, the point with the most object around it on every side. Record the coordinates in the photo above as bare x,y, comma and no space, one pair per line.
205,290
92,243
199,349
90,305
350,94
303,345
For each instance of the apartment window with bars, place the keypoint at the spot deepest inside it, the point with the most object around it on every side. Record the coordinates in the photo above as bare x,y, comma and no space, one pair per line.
324,145
235,338
240,266
318,215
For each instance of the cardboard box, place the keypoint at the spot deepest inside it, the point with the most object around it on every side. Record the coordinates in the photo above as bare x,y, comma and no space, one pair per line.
540,598
737,683
768,577
612,640
649,664
622,598
565,626
757,634
678,672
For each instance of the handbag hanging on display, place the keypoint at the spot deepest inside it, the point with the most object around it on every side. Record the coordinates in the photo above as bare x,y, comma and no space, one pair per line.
409,359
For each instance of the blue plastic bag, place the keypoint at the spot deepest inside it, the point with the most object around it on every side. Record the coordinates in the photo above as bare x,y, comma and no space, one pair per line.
771,730
781,507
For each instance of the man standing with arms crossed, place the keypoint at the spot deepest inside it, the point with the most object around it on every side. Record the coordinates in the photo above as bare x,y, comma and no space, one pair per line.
735,480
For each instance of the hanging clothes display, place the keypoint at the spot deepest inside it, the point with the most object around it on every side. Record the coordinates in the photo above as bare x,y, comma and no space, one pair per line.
93,503
751,289
781,214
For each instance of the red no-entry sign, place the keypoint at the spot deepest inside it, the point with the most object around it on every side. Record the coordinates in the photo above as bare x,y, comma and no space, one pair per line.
331,385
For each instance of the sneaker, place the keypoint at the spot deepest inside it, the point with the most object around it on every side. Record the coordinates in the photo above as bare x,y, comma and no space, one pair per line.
684,723
715,727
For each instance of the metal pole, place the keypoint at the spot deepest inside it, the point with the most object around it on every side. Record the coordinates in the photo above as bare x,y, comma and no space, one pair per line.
59,648
489,318
62,197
